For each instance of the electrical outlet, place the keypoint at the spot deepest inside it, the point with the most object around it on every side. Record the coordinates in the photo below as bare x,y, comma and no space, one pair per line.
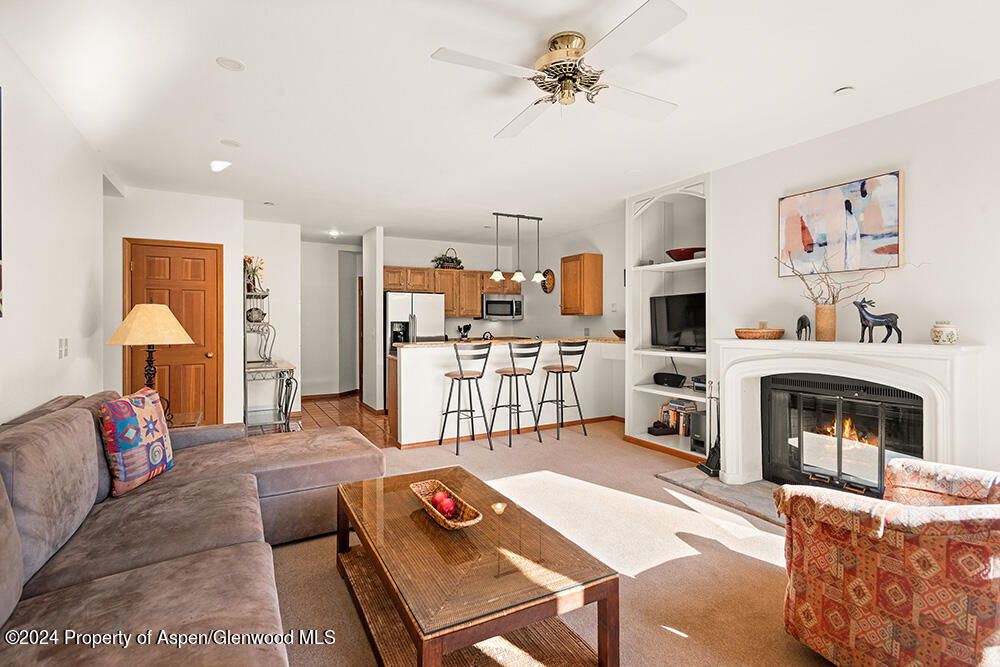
614,308
586,332
65,347
63,351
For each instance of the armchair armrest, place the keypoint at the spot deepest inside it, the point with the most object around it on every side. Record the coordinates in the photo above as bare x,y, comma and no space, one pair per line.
918,482
191,436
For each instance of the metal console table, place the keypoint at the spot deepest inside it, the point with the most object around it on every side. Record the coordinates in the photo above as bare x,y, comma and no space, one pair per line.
286,385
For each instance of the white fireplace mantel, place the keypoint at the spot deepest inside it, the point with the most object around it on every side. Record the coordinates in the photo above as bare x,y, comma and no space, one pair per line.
946,377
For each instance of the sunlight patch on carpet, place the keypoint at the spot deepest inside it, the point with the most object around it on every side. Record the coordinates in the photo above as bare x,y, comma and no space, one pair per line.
628,532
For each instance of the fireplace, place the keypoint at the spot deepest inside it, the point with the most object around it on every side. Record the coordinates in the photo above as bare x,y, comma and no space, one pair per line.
836,431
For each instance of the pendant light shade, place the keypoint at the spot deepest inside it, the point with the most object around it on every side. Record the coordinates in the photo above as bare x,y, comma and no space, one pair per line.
497,275
538,277
518,277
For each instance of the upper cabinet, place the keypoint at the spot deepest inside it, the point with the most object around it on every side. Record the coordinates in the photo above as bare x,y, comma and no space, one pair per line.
446,282
505,286
582,282
407,279
470,293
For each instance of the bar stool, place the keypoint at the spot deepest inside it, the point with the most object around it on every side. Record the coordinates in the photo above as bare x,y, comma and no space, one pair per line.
518,351
469,353
570,359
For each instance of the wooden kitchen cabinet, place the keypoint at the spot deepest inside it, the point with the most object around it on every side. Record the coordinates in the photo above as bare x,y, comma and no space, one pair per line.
419,280
392,396
394,279
582,279
446,282
510,286
492,286
470,293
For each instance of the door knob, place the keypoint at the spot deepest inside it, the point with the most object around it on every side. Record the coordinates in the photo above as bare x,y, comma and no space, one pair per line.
210,354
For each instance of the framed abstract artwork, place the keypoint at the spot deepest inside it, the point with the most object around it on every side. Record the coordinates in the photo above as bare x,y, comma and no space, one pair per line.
852,226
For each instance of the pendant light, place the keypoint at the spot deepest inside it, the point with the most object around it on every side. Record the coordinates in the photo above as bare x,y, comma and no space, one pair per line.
518,277
538,277
497,275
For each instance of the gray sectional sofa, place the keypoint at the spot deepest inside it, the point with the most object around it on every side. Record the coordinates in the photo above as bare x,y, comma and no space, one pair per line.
186,552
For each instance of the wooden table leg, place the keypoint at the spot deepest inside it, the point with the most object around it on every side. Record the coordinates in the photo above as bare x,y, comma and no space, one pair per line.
429,653
607,627
343,525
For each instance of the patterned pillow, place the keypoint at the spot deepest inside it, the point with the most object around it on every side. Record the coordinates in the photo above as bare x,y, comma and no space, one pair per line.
136,440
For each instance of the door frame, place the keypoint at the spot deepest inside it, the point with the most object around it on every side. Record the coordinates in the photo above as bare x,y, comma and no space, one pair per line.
127,245
361,338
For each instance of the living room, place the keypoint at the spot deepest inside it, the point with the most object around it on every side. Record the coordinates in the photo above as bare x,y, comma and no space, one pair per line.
636,418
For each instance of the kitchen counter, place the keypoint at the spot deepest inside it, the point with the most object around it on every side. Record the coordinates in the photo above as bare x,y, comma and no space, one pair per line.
422,388
503,340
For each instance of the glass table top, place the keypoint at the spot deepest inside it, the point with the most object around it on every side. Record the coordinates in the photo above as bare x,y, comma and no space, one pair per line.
448,578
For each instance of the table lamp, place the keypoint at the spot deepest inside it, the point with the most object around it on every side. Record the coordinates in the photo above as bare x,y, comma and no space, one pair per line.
150,324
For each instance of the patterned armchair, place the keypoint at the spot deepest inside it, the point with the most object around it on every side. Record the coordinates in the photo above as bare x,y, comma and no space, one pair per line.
913,579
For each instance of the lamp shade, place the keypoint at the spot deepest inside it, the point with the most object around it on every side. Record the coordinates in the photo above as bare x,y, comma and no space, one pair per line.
150,324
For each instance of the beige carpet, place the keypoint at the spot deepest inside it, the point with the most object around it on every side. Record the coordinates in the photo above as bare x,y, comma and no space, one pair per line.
701,584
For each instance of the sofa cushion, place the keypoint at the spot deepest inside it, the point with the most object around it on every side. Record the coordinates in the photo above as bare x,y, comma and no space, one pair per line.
46,408
48,468
286,462
93,405
11,566
230,589
144,528
136,439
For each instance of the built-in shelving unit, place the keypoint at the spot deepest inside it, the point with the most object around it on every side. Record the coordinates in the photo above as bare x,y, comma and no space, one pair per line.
671,217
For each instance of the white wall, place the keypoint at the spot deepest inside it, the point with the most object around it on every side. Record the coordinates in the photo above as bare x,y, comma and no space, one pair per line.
51,225
171,216
542,316
280,246
947,151
328,325
373,259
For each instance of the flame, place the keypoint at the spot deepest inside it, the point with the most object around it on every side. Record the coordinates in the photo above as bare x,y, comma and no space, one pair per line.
850,433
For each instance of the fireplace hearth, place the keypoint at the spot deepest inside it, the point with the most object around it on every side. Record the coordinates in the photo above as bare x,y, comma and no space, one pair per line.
836,431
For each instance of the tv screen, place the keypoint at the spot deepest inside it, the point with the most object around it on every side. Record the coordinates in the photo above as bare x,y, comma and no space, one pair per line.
678,321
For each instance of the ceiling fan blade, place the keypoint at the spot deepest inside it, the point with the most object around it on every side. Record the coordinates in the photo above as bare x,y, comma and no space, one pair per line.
635,104
642,26
458,58
524,119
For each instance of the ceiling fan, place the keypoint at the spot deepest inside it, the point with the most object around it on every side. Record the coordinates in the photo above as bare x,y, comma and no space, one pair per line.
562,73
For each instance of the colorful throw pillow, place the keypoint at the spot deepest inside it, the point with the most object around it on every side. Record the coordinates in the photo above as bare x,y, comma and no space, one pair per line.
136,440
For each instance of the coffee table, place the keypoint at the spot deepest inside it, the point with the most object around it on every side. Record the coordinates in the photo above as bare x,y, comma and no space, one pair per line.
433,596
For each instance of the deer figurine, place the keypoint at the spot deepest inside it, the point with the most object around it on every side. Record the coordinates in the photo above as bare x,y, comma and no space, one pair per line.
868,322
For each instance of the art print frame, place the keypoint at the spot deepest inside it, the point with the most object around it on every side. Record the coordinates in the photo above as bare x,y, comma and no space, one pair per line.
857,225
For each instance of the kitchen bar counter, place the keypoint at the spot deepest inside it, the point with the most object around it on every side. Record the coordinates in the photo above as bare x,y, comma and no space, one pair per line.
503,340
422,389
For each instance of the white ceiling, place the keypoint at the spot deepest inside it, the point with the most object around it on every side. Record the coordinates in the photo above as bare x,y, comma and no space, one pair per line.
345,122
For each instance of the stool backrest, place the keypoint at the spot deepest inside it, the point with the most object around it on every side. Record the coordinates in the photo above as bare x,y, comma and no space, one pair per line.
525,351
472,354
571,353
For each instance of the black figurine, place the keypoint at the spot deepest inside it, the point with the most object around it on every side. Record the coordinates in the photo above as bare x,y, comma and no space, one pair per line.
868,322
803,328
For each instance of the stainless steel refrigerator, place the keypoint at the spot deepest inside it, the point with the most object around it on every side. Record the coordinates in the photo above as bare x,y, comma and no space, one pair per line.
411,317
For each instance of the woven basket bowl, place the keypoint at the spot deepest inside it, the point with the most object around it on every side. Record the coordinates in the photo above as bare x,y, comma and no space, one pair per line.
465,514
760,334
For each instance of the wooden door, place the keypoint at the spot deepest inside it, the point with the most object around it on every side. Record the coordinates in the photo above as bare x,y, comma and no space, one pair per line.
470,293
394,278
572,285
186,277
420,280
446,282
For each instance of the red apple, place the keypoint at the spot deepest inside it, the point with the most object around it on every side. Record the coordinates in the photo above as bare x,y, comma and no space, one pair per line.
447,507
438,497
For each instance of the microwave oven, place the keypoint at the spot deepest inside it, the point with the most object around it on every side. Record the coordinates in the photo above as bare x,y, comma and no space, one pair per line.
503,307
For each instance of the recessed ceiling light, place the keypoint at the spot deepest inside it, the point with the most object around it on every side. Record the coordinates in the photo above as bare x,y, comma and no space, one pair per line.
269,203
334,233
844,90
232,143
231,64
219,165
487,226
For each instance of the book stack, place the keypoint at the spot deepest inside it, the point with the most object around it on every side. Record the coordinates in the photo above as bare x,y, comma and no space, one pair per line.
677,415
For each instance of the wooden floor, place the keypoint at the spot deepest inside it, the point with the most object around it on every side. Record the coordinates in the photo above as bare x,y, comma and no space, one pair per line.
346,411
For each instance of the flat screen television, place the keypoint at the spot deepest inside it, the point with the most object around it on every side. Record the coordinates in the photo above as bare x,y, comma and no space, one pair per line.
678,321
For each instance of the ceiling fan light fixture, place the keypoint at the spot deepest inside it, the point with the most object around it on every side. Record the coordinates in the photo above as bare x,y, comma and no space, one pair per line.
567,92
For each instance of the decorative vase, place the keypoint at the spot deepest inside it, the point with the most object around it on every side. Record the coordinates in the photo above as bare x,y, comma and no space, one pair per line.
944,333
826,321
